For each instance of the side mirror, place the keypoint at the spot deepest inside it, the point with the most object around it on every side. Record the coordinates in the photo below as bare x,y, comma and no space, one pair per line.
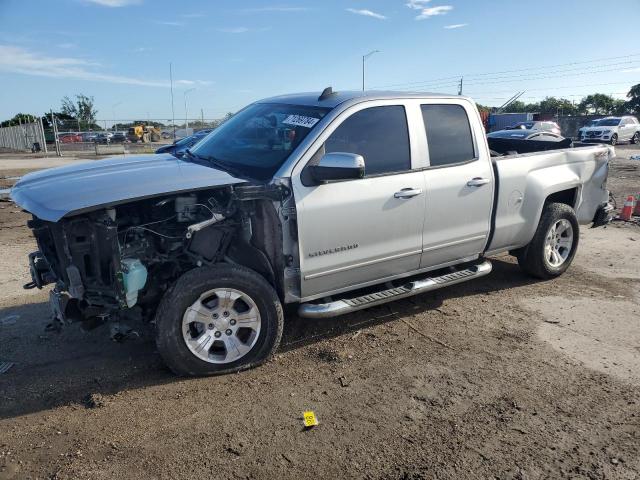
338,166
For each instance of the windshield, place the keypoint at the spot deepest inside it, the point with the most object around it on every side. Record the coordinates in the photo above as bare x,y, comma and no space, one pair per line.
608,122
257,140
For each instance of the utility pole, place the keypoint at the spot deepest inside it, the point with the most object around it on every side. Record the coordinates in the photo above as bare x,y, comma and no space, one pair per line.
55,134
44,140
186,118
460,86
364,59
173,113
202,117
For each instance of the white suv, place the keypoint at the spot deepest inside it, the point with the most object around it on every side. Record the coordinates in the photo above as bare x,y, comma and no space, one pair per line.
613,130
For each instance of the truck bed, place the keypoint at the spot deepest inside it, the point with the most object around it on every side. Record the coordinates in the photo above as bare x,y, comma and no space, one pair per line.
525,181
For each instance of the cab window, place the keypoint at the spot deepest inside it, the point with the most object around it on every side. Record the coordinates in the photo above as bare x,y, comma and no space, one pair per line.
379,134
448,134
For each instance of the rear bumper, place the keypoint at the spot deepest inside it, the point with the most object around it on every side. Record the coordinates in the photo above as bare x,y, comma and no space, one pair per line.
603,215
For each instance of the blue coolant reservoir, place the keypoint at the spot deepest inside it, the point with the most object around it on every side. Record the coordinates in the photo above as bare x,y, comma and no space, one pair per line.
134,276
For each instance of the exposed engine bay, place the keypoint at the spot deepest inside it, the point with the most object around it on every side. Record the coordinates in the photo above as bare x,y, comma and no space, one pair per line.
123,258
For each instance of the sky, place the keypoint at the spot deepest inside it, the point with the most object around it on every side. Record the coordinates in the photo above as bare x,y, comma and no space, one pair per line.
228,53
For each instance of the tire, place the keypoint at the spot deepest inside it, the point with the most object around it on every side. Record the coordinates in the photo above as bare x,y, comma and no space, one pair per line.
614,139
636,138
537,258
189,341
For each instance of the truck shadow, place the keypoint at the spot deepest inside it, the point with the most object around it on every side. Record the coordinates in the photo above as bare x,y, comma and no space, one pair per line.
54,369
302,331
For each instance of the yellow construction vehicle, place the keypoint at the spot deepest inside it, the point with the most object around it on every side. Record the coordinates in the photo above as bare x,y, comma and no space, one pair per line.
143,133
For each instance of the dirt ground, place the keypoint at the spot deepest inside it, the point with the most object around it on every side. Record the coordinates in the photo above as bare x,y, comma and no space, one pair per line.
509,378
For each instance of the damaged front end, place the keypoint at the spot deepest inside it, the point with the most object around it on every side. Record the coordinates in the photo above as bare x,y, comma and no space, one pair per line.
120,260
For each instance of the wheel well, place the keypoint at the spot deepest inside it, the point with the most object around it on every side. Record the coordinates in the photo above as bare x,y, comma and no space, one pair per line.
568,197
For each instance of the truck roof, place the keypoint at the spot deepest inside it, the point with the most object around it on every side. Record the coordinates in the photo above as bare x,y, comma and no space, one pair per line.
336,98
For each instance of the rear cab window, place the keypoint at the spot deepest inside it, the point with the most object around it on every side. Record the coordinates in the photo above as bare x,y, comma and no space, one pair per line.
449,134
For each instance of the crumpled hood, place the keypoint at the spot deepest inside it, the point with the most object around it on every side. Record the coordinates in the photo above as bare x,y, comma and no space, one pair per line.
57,192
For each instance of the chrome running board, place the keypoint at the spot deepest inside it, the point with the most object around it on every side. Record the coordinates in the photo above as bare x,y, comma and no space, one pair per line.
348,305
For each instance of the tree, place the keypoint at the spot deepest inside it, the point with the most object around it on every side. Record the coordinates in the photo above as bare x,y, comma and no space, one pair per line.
126,126
68,107
516,107
600,104
82,110
557,106
20,118
633,104
482,108
64,122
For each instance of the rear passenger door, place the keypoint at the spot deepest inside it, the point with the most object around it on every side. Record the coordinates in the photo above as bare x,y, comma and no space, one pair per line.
459,184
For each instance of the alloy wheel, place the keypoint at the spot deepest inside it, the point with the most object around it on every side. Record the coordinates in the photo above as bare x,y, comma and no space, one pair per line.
221,326
558,243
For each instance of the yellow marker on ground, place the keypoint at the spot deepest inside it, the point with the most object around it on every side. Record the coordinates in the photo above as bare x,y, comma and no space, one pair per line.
310,419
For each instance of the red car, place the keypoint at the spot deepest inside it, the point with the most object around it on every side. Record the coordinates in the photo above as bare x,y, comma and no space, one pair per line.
70,138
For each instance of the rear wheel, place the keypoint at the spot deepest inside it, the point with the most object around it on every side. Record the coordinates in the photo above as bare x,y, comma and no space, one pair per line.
217,320
554,244
636,138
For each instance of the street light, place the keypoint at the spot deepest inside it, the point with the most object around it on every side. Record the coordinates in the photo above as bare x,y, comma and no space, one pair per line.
364,59
186,118
113,112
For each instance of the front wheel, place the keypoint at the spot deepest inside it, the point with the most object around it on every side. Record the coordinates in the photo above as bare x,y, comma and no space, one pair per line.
614,139
554,244
219,319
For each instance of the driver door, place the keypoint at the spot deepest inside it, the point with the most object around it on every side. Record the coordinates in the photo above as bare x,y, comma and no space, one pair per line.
357,232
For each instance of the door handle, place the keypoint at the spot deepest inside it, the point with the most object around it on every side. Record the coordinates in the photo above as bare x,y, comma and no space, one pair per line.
477,182
407,193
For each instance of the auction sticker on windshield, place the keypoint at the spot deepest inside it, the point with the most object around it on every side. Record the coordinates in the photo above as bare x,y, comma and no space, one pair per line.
300,121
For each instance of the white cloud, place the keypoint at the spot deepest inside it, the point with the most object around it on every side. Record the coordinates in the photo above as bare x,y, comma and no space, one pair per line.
631,70
169,23
19,60
114,3
429,12
417,4
67,45
191,83
455,25
366,13
233,30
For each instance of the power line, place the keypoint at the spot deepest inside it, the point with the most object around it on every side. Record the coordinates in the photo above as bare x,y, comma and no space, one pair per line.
542,77
441,79
556,88
513,80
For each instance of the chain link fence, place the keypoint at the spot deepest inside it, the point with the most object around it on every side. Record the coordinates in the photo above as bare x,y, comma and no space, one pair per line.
66,137
126,136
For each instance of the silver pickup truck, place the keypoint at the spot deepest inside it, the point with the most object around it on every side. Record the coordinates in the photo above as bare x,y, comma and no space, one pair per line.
333,202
